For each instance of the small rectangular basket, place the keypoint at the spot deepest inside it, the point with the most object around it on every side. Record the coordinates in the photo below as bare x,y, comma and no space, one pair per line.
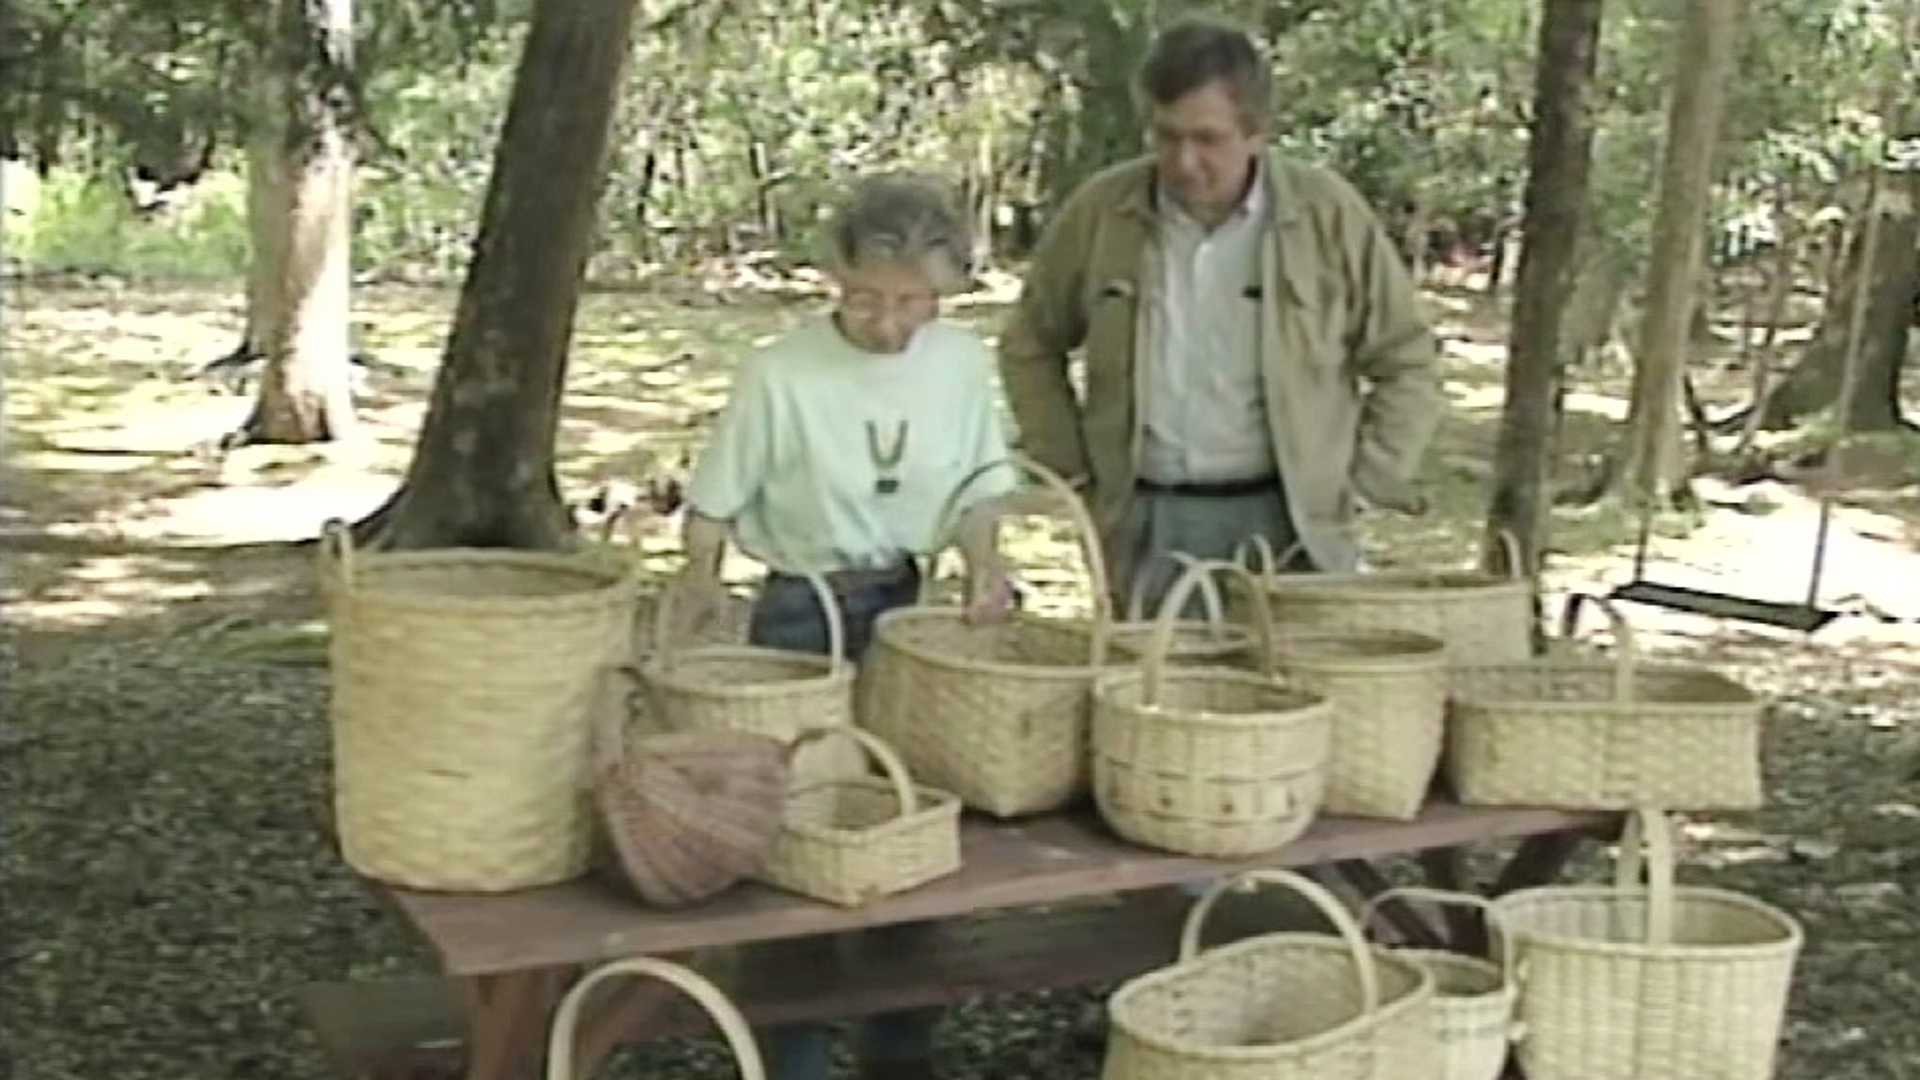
1597,735
853,841
1631,981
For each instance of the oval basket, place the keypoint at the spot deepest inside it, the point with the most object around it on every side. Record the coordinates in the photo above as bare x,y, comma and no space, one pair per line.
1208,761
1604,735
1283,1006
994,712
777,693
464,684
1473,999
851,842
1389,694
1480,616
1629,981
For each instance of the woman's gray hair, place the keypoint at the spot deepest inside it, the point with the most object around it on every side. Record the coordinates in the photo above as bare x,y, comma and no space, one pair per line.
900,217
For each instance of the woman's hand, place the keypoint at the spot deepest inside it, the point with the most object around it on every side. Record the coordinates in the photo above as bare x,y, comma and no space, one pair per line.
989,589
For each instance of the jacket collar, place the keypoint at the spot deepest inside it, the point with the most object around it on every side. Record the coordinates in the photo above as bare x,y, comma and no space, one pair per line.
1137,192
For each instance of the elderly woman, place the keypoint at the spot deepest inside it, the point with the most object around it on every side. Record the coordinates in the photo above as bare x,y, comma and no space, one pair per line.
838,448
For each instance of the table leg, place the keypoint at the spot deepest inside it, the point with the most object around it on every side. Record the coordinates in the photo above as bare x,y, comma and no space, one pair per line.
507,1020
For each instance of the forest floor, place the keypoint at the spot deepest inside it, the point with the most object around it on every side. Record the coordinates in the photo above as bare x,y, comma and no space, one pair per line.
165,892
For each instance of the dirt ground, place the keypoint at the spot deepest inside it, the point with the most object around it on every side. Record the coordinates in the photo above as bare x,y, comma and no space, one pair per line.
165,738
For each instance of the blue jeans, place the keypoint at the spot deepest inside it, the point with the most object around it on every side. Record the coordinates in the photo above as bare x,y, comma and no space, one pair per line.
788,616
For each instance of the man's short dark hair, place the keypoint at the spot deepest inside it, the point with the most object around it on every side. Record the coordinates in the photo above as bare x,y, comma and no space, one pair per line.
1196,51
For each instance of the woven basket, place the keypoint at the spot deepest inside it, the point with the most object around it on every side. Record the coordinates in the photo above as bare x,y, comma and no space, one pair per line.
1592,734
686,814
733,1027
1214,639
1207,760
773,692
1656,980
1481,617
1284,1006
1389,695
851,842
464,685
994,712
1473,999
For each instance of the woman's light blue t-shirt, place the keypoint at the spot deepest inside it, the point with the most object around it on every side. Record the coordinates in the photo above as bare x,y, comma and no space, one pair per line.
793,465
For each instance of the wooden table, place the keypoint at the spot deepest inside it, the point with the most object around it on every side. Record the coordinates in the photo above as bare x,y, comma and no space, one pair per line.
508,957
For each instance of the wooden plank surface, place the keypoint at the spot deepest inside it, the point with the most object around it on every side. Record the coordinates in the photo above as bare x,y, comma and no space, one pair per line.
368,1026
1047,860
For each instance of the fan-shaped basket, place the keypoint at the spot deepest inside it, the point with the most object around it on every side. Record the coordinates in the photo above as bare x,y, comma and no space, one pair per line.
1284,1006
994,712
463,688
1481,617
1207,761
1593,734
764,691
733,1027
1473,1000
688,814
1634,981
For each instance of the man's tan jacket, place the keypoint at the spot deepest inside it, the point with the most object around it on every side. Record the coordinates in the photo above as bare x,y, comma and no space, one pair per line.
1350,366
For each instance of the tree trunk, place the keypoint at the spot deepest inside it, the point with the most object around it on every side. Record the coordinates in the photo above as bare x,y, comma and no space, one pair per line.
1654,463
1894,284
1559,159
482,471
300,214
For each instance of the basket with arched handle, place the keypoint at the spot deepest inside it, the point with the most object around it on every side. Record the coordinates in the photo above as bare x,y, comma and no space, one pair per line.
464,683
1480,616
853,841
1211,639
994,712
755,688
733,1027
1600,734
1207,760
1278,1006
1473,1002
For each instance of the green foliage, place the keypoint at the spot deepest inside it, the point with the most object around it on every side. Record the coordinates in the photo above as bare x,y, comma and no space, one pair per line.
76,222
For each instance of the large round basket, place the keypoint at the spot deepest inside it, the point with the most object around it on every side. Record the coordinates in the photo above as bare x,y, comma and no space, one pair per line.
686,814
733,1027
777,693
1632,981
1284,1006
1209,761
1473,999
994,712
464,684
1480,616
1593,734
1389,695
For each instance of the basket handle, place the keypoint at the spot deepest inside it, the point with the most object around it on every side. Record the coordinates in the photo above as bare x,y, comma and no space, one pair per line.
1209,594
733,1026
1076,512
829,606
1497,930
336,552
1625,652
891,767
1336,913
1256,548
1153,659
1650,826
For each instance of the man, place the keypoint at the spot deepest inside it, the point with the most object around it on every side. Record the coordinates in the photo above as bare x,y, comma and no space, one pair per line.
1256,358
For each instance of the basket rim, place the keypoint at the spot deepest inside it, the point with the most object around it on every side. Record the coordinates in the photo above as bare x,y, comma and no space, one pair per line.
1397,583
668,673
1314,707
1422,992
936,804
611,586
972,666
1478,964
1463,690
1791,939
1411,651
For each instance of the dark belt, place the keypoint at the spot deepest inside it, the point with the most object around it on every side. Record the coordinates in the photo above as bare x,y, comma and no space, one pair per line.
1217,489
855,579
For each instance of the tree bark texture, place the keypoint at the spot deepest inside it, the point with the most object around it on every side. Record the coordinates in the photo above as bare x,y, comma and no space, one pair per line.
482,473
1560,155
300,215
1702,66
